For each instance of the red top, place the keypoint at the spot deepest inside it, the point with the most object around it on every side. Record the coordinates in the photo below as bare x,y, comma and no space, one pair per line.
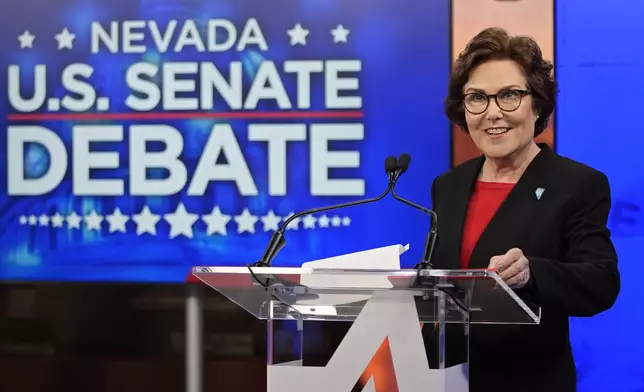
484,202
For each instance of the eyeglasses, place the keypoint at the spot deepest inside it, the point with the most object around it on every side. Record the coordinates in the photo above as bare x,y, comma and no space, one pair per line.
507,100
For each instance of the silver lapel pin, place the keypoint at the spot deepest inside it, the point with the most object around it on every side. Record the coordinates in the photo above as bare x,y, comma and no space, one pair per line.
539,192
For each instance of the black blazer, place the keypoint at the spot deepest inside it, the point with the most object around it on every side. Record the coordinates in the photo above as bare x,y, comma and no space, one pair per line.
572,261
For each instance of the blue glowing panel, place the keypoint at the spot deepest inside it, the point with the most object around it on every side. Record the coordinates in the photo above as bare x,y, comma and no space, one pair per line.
600,74
145,137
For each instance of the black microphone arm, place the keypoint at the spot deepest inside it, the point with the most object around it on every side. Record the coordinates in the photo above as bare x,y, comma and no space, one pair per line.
277,240
430,242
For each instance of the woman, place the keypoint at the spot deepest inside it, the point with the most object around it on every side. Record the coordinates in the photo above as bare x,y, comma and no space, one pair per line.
537,217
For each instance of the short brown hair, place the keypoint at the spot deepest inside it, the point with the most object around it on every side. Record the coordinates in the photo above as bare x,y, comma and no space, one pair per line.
494,44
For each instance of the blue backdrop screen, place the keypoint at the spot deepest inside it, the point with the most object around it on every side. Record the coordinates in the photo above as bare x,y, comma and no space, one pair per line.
599,71
145,137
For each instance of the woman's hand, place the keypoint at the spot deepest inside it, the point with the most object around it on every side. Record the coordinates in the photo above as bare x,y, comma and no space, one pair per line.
513,267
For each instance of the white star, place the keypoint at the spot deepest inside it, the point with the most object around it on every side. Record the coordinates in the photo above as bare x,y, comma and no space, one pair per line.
323,221
336,221
117,221
65,39
216,221
340,34
146,222
246,222
57,220
181,222
32,220
346,221
26,40
93,221
298,35
23,220
43,220
309,222
73,220
271,221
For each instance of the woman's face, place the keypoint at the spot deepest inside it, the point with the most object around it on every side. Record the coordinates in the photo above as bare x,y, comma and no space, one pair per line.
506,125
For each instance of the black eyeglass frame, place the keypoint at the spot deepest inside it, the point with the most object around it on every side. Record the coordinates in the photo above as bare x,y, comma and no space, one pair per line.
522,93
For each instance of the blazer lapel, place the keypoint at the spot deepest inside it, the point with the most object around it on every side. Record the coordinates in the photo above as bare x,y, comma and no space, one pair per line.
509,227
459,197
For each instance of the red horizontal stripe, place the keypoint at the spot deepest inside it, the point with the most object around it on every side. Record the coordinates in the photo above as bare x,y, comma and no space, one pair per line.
254,115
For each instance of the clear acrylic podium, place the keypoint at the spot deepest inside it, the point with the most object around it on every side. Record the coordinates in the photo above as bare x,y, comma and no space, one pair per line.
408,328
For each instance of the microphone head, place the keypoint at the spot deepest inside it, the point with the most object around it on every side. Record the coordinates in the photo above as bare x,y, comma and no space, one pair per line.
390,164
403,162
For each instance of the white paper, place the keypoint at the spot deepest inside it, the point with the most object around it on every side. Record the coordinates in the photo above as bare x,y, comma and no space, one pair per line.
383,258
386,257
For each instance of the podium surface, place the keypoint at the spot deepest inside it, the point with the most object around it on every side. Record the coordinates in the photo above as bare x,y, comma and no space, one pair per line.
384,348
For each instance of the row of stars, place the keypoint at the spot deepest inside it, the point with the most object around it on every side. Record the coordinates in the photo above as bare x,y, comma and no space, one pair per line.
297,34
181,221
65,39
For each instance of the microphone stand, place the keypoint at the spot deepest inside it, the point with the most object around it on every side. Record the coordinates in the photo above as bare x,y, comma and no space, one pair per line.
277,241
430,241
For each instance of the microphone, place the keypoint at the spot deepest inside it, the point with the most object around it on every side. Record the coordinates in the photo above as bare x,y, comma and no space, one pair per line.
401,167
277,240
